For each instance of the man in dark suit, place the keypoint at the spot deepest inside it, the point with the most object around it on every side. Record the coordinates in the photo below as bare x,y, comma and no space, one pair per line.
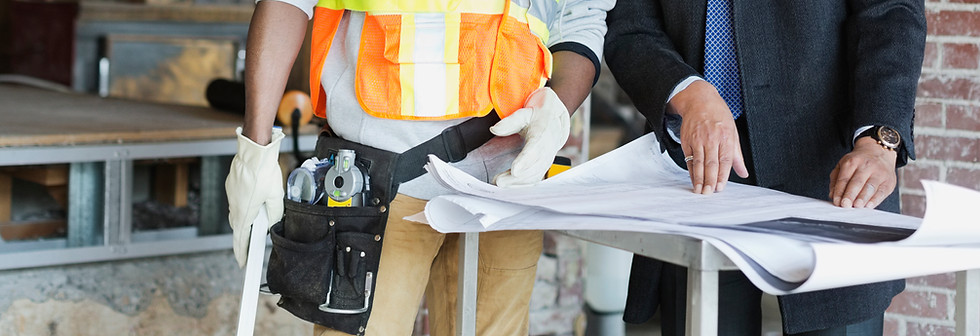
813,98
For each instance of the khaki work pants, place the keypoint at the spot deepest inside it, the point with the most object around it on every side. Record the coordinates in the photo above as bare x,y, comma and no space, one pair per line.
417,260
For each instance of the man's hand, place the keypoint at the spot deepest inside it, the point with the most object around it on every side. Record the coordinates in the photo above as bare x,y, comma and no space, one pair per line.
863,177
544,125
708,137
254,180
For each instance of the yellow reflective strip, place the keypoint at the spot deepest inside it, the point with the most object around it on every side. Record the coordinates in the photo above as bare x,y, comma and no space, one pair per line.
481,7
406,42
406,74
452,38
416,6
538,27
452,89
518,12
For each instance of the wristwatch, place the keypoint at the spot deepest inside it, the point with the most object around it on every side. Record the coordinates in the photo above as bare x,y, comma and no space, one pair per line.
886,136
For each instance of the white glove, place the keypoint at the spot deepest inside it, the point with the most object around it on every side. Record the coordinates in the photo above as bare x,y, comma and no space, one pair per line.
254,180
544,125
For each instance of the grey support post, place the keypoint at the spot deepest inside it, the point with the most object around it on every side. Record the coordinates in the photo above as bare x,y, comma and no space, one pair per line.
86,183
968,303
702,292
469,246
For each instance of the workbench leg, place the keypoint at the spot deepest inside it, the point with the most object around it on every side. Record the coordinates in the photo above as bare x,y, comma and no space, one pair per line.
469,247
86,197
968,303
702,302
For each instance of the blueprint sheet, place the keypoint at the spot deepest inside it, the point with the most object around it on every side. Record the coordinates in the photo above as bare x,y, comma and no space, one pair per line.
783,243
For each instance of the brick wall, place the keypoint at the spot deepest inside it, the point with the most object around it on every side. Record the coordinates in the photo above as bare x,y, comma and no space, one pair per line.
947,141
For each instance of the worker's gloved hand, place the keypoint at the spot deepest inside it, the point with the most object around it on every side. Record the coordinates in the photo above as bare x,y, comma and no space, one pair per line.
544,125
255,180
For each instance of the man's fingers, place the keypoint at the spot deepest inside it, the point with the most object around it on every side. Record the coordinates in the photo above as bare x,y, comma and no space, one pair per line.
855,186
724,171
845,172
696,168
731,158
869,190
833,183
881,192
738,161
711,163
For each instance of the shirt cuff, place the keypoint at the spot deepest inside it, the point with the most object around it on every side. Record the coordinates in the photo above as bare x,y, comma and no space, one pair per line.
858,132
683,85
580,49
677,89
305,5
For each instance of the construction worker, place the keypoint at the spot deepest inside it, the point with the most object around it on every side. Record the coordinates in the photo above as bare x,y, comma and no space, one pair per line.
394,74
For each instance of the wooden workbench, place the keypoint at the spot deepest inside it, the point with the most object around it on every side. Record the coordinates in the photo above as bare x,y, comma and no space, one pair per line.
99,139
36,117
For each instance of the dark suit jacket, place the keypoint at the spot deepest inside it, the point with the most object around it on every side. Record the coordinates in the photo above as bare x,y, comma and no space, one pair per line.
812,73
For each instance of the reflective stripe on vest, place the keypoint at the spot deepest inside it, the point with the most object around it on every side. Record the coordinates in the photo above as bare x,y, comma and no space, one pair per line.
425,65
416,6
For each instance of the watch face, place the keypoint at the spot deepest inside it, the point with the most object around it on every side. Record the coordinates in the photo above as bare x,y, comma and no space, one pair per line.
889,136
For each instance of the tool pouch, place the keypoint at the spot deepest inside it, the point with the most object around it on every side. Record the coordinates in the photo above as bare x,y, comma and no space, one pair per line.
324,260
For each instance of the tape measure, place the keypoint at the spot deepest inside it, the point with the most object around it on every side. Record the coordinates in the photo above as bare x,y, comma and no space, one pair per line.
560,164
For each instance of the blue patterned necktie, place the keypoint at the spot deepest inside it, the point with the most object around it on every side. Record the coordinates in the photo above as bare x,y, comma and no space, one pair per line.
720,61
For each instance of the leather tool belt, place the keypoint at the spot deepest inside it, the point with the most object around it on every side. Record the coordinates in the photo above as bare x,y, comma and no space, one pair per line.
324,260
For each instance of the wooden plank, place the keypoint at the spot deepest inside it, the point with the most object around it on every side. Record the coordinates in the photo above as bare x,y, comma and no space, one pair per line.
172,69
172,183
34,117
53,175
11,231
107,11
60,195
6,197
73,119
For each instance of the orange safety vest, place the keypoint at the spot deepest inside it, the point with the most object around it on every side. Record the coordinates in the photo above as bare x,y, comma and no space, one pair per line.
437,59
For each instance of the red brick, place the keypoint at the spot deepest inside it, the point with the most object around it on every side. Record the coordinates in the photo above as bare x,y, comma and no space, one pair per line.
910,175
929,114
916,329
947,148
953,23
964,177
931,55
913,205
933,86
963,117
921,304
891,326
946,280
960,56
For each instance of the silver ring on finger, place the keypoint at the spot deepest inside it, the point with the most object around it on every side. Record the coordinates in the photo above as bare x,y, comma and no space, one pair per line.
872,187
688,158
